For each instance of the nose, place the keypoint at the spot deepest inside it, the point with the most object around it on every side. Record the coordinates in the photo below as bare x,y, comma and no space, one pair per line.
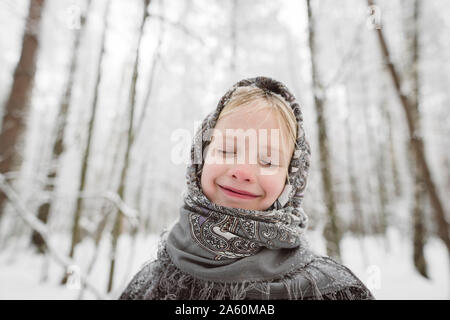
243,174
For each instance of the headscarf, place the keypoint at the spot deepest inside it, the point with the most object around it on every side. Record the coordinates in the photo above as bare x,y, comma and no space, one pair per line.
216,252
210,241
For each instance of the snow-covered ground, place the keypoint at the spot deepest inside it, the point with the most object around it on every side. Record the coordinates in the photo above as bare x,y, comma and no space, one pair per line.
384,266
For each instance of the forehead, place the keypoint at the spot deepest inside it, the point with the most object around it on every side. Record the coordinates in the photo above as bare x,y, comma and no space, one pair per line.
256,115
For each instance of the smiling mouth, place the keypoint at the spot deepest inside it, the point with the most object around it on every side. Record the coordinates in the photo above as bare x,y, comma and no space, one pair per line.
236,194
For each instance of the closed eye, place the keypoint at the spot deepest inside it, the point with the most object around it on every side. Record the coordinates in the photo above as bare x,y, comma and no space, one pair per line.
268,163
226,152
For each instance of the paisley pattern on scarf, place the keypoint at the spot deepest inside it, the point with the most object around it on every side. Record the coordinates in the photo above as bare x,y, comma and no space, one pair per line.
236,236
231,233
218,235
217,252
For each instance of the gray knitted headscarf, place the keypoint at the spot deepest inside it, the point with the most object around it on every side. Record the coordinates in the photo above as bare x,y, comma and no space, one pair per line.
216,252
224,235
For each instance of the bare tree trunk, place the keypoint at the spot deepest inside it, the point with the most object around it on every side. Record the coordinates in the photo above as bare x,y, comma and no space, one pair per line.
392,152
418,223
75,229
382,192
98,237
412,75
417,143
155,60
16,107
58,144
117,229
141,190
380,158
376,153
358,225
332,232
374,159
446,165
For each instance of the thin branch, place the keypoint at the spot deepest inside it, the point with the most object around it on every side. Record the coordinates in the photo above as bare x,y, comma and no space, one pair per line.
130,213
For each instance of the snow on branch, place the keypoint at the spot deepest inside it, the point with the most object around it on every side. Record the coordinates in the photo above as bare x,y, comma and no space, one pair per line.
42,229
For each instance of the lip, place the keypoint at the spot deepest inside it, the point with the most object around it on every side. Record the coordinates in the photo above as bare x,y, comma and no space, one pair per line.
233,192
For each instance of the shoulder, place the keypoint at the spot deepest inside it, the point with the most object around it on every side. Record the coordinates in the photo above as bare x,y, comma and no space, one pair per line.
322,278
140,283
329,279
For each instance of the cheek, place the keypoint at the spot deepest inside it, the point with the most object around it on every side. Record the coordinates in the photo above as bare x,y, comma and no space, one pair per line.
209,174
273,185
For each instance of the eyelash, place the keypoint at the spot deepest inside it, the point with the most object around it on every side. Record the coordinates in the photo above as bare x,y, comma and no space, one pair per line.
223,151
264,164
269,164
226,152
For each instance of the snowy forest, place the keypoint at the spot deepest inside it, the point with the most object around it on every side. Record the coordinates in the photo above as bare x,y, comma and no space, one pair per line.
100,99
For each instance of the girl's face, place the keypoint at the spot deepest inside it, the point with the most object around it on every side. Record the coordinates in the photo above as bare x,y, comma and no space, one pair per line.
245,165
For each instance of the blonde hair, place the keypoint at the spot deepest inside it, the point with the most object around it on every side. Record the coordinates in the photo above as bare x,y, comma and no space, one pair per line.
244,96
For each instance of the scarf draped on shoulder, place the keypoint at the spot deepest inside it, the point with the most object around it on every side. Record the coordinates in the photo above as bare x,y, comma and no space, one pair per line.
215,252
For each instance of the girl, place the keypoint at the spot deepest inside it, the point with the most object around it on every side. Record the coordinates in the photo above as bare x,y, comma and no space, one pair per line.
241,229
